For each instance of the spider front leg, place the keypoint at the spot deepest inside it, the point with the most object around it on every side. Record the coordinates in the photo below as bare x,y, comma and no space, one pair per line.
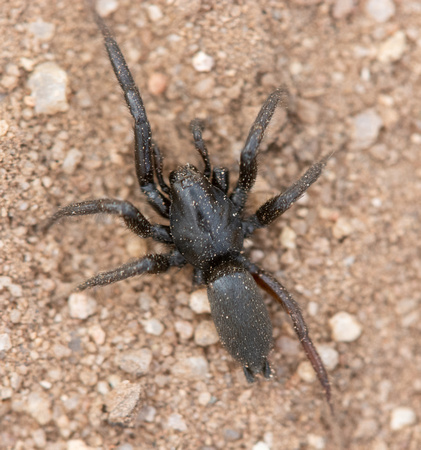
133,218
147,264
274,288
142,128
248,162
277,205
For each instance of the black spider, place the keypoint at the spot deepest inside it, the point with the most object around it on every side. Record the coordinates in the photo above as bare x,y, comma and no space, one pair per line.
207,229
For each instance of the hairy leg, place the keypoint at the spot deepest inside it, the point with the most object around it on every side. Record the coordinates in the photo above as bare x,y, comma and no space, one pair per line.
142,128
248,162
197,127
132,217
277,205
274,288
147,264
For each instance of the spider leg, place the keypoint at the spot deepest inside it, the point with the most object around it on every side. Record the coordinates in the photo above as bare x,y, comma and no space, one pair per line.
197,128
133,218
147,264
277,205
142,128
274,288
158,164
248,161
220,178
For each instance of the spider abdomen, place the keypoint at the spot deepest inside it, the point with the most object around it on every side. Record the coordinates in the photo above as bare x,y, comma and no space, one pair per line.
241,318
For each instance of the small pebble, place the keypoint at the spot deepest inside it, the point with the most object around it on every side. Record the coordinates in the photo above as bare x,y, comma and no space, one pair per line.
106,7
345,327
287,238
393,48
154,13
81,306
97,334
157,83
199,302
177,422
366,127
184,329
39,437
204,88
231,435
342,8
122,400
260,446
5,342
402,417
48,84
380,10
329,355
4,128
153,326
206,334
315,441
306,372
44,31
203,62
342,228
77,444
190,368
147,414
71,161
136,362
39,407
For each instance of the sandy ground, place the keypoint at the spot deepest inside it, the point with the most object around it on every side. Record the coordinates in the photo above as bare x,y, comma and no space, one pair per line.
351,245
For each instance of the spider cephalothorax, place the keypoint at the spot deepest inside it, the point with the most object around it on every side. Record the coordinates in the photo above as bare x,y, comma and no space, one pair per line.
207,228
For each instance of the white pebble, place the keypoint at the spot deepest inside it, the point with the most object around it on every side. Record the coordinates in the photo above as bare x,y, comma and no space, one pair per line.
81,306
206,334
342,228
4,128
191,368
154,13
39,407
44,31
402,417
136,362
315,441
288,237
345,327
5,342
260,446
97,334
329,355
203,62
306,372
177,422
106,7
153,326
393,48
77,444
71,161
380,10
184,329
199,302
48,84
366,127
342,8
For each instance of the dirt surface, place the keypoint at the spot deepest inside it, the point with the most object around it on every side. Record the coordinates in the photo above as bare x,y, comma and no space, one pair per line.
351,245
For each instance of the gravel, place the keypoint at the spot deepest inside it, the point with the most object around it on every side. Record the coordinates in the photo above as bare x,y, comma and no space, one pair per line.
135,362
199,302
49,84
345,327
402,417
202,62
81,306
206,334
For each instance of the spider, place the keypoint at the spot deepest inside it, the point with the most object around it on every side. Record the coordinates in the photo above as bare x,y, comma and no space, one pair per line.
207,228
